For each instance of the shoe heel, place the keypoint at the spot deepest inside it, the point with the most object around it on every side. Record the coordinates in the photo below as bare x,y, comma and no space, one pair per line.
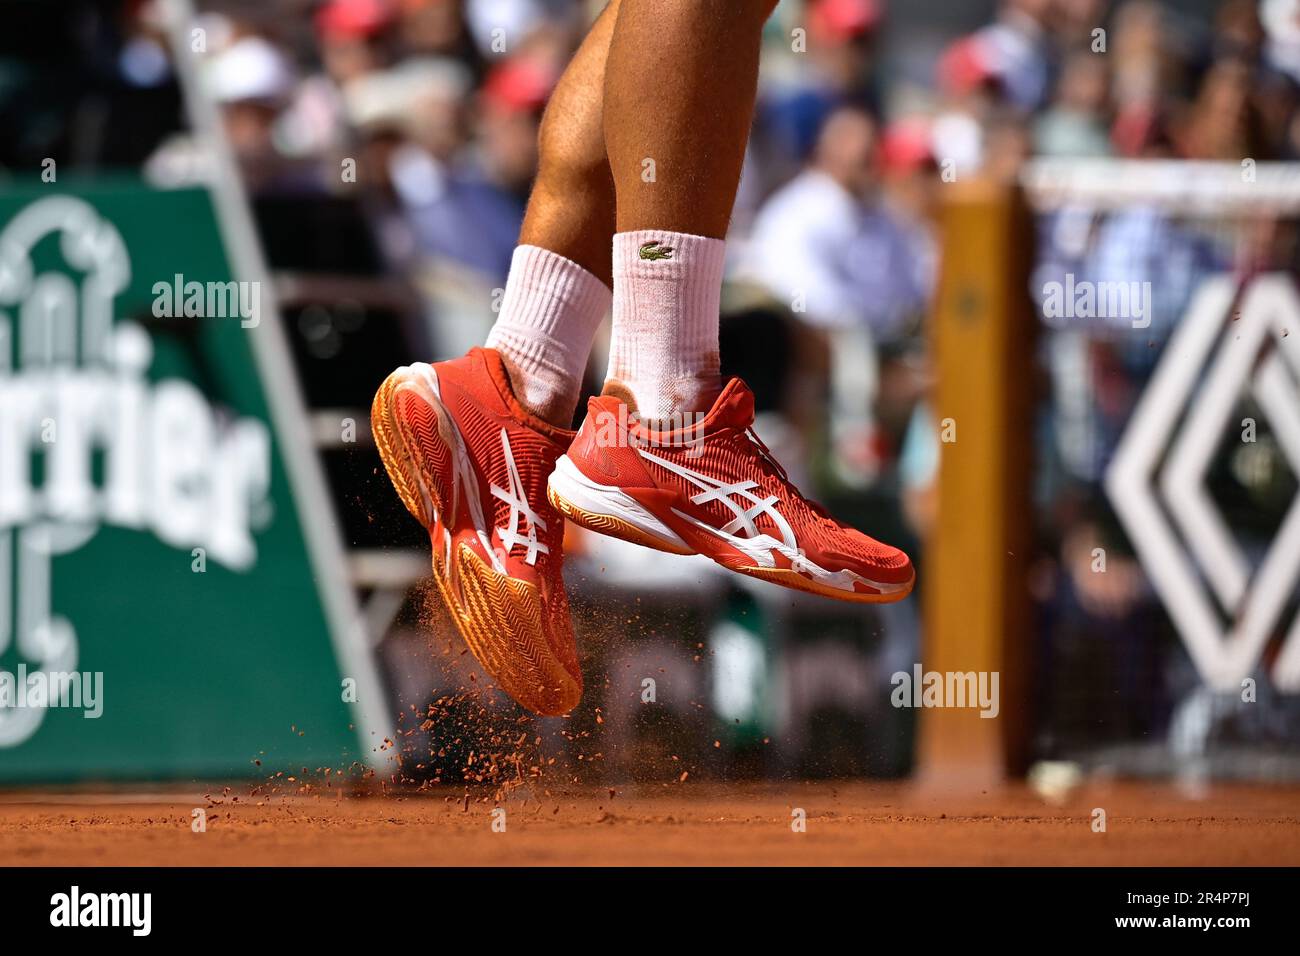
413,473
607,510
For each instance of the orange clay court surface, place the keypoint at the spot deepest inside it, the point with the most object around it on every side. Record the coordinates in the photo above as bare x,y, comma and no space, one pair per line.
683,823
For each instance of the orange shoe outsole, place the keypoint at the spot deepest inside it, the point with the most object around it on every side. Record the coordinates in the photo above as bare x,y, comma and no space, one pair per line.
499,617
793,579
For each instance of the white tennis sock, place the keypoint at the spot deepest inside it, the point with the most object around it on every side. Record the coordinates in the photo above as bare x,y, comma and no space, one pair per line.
549,316
663,353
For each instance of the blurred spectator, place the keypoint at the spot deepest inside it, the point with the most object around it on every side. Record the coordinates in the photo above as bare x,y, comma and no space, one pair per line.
827,242
1011,55
1223,122
510,116
837,68
851,263
1073,24
434,27
254,81
353,37
1238,33
1281,22
1277,98
969,84
1075,123
498,26
452,211
1018,49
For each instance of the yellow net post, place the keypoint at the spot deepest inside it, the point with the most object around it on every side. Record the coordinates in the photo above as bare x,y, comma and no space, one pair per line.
976,604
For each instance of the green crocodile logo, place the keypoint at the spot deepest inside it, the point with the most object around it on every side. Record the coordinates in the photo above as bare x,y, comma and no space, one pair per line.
652,250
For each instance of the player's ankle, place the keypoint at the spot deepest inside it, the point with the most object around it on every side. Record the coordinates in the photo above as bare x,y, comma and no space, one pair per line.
549,316
664,358
551,398
660,403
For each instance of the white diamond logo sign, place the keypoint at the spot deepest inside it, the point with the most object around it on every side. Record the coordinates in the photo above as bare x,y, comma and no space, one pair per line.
1191,555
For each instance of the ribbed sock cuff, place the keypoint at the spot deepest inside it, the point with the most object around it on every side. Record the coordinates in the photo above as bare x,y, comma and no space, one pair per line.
550,312
664,347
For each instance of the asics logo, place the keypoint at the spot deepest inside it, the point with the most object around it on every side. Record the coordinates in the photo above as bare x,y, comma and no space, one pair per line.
512,534
748,507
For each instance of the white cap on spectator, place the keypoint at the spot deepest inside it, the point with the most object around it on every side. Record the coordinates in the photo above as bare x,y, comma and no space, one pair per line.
1281,21
516,18
251,69
435,76
371,101
386,99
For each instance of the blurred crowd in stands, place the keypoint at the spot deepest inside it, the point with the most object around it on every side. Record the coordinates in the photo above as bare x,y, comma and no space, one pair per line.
425,113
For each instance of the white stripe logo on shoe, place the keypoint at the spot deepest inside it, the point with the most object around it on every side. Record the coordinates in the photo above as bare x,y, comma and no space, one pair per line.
463,478
757,544
517,499
714,490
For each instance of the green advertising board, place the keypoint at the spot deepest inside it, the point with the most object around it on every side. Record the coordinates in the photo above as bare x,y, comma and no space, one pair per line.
172,596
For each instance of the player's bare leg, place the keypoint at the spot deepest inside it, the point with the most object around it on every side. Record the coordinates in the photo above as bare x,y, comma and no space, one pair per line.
679,91
571,209
680,84
469,443
558,291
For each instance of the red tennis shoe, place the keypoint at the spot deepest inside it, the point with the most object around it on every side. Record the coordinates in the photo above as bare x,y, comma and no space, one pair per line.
713,488
470,463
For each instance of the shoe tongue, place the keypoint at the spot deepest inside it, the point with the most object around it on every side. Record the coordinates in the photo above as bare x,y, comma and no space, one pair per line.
734,408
